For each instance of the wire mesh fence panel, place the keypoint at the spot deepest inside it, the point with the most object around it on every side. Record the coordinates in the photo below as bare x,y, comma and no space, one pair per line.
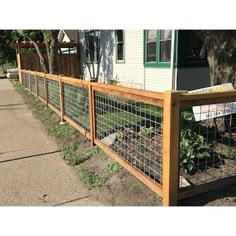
23,78
133,130
53,93
76,105
208,143
32,83
41,90
27,81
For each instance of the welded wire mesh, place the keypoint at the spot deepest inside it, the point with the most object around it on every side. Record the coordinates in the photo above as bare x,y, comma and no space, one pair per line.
23,78
208,143
76,105
133,130
32,83
41,90
53,93
27,81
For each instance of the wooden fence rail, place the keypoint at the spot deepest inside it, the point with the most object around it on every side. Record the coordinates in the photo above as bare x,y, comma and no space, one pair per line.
151,120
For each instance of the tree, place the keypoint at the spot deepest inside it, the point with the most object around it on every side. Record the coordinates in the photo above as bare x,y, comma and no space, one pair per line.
221,50
7,54
221,56
49,37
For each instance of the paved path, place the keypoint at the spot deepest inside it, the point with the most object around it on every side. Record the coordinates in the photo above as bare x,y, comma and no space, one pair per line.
32,171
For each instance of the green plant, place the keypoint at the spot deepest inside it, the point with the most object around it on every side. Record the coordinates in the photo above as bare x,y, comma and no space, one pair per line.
7,65
146,131
89,178
113,167
69,153
192,148
59,131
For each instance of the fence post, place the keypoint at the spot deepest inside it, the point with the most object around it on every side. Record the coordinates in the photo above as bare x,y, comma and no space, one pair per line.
36,86
171,138
46,89
91,111
61,98
18,58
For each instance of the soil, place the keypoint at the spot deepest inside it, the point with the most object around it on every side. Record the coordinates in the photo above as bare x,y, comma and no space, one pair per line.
121,188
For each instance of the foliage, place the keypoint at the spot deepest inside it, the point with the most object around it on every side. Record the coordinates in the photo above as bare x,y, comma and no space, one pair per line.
192,144
192,148
89,178
146,131
49,37
113,167
7,65
7,54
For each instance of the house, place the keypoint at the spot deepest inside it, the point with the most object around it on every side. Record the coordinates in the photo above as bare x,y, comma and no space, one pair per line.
67,36
156,60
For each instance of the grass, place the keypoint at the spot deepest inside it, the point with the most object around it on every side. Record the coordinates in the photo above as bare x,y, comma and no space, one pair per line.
150,110
106,121
73,157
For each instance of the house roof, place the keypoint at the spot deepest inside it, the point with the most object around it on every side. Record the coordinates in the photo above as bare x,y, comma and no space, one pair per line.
71,34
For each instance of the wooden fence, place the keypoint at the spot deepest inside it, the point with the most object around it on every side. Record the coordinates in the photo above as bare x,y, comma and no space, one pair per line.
68,64
143,131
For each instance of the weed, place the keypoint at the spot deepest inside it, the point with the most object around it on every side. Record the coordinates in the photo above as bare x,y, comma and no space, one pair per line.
89,178
146,131
69,153
113,167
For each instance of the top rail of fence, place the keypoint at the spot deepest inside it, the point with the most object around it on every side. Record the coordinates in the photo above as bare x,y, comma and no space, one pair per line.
154,98
200,98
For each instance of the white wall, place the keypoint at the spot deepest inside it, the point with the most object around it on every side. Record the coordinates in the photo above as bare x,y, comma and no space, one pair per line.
193,78
132,73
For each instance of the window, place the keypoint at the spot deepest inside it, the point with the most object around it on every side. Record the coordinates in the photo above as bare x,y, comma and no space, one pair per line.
120,57
92,46
165,45
191,49
196,47
157,48
151,46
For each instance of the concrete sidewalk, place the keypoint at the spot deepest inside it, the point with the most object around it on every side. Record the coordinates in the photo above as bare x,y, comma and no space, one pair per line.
32,171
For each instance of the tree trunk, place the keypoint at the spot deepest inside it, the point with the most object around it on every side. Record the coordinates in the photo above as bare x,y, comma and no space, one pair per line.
41,58
53,51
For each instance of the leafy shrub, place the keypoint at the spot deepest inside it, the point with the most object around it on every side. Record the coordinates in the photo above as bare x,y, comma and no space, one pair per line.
192,148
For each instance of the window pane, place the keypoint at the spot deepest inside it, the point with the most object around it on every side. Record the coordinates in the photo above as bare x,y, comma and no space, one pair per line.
92,45
196,47
91,48
119,35
151,52
165,34
165,50
151,35
120,55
